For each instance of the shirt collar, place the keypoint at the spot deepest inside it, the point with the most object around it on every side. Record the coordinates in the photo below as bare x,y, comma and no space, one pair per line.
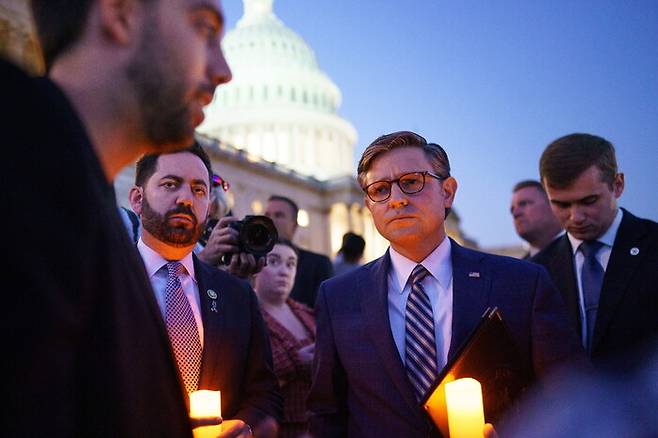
608,238
153,261
438,263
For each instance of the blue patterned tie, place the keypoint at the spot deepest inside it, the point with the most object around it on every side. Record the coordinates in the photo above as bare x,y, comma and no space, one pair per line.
592,278
420,347
182,328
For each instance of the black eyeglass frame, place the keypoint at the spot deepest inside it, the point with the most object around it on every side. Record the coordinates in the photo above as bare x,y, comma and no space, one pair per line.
397,181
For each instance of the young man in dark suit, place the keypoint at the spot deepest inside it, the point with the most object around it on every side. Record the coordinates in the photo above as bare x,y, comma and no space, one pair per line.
213,320
606,266
86,352
386,329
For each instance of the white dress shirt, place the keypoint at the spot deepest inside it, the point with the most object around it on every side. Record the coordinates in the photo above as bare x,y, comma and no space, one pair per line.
154,264
603,257
437,285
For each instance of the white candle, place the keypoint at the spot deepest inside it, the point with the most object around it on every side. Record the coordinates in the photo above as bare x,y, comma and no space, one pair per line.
465,411
207,431
205,404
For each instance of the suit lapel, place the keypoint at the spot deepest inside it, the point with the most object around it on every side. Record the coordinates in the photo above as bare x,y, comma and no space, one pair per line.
562,267
621,266
471,284
211,314
373,287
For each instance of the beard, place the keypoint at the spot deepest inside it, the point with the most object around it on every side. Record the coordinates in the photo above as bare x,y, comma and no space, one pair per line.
158,226
157,77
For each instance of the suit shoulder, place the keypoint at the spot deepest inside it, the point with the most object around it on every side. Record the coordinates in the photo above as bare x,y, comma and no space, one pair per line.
648,224
503,266
506,263
310,255
348,280
218,277
545,255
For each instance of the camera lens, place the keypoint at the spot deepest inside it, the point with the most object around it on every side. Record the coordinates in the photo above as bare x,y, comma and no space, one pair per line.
258,235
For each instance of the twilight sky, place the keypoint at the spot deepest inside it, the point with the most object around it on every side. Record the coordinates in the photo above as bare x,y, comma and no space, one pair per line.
493,83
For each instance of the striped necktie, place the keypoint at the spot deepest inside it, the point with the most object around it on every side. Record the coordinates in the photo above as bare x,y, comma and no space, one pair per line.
182,329
420,346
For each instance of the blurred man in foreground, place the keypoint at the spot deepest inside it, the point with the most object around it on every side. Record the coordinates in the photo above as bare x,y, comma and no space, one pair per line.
89,351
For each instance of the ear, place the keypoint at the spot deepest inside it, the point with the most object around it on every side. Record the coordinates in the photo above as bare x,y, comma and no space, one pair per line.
136,196
449,191
119,19
618,185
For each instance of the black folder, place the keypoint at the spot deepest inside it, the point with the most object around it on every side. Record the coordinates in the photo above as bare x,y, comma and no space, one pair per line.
489,355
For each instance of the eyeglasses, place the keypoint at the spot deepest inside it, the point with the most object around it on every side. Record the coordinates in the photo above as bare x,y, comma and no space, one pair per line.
218,181
409,183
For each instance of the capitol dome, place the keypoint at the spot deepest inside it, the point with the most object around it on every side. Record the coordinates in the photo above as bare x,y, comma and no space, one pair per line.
279,107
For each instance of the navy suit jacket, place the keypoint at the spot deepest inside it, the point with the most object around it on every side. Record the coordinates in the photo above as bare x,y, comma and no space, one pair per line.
628,308
237,359
360,387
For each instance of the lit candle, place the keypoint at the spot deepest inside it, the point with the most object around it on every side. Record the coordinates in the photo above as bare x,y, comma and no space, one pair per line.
465,411
207,431
206,406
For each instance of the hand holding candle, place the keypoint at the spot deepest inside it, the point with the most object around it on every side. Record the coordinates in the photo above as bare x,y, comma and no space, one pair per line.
465,410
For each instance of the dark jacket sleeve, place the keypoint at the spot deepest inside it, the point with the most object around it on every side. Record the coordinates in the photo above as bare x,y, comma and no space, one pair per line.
555,342
327,401
325,269
262,396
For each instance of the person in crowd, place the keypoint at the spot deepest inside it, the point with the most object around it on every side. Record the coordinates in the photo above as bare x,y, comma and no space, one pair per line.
350,254
312,268
88,350
213,319
385,330
131,223
534,220
219,238
291,326
220,206
605,264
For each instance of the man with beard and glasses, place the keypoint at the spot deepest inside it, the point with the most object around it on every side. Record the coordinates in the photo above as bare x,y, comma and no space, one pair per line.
85,345
212,318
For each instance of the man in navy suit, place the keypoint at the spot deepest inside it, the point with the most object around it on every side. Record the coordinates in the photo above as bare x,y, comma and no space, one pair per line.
213,320
579,172
388,328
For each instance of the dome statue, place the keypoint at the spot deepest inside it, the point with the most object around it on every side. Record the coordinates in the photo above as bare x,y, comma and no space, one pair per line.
279,107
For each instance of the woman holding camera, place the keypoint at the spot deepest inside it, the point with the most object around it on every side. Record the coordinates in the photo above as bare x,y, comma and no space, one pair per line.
291,326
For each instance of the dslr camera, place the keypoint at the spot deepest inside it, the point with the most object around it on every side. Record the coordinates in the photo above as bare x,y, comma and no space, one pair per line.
257,235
